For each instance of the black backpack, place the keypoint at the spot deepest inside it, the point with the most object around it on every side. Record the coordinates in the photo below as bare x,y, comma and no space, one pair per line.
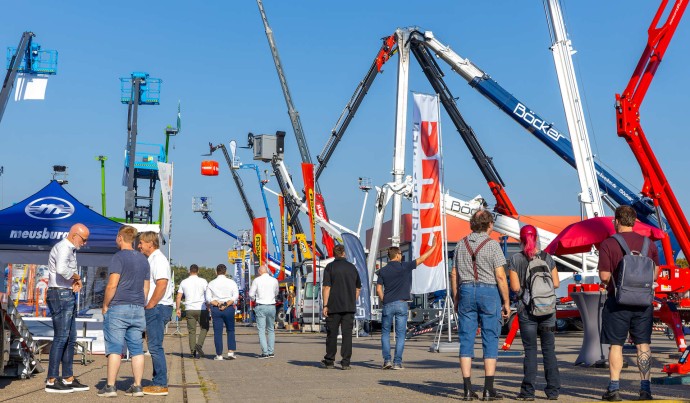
635,282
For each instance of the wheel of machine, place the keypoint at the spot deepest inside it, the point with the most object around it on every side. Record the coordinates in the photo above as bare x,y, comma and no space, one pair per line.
577,324
561,325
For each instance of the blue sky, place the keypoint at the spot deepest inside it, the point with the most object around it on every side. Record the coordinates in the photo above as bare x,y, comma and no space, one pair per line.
214,57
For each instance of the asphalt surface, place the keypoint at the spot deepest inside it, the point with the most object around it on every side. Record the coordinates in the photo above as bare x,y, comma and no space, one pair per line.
294,375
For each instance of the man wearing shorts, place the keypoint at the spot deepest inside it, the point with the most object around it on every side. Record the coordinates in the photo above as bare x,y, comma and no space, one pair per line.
124,321
619,320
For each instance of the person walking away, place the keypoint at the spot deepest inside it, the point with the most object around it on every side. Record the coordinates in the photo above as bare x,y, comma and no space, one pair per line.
63,284
222,294
394,287
534,278
478,282
341,286
124,320
628,257
263,291
193,288
158,310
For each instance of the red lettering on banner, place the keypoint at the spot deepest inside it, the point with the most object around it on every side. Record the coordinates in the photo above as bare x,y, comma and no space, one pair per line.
429,138
430,217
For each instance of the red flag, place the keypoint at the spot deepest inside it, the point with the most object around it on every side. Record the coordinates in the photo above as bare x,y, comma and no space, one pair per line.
259,236
326,238
308,176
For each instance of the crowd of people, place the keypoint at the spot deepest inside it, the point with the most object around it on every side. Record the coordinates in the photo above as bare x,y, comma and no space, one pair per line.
139,299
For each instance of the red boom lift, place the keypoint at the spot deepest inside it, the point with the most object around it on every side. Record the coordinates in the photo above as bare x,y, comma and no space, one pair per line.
673,281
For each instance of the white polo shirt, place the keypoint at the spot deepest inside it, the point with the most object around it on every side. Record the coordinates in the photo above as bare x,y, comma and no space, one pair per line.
194,290
160,269
264,289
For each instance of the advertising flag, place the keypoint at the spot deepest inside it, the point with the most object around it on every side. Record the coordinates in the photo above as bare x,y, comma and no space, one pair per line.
354,253
326,238
427,211
281,204
308,176
259,244
165,174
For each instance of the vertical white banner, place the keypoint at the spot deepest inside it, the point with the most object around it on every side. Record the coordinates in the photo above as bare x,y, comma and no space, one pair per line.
427,211
165,174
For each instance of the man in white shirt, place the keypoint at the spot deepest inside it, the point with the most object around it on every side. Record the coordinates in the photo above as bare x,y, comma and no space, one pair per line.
194,290
158,310
63,283
222,294
263,291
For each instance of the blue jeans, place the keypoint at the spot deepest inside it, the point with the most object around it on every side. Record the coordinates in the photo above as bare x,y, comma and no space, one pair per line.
530,327
63,310
124,325
394,310
226,318
479,302
156,319
265,319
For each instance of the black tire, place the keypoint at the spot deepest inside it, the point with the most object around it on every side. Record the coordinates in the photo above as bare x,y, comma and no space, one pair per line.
562,325
577,324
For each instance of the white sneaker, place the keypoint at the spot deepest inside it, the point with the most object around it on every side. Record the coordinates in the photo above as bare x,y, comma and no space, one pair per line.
218,358
231,356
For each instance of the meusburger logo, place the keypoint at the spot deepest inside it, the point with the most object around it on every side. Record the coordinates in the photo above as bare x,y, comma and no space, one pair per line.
49,208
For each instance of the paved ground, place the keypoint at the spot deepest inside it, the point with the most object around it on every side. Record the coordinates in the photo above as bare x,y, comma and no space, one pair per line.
294,375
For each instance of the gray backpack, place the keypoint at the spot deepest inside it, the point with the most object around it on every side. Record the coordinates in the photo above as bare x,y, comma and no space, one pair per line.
540,295
635,282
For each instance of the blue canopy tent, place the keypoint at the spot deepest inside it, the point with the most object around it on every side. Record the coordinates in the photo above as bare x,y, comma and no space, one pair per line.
30,228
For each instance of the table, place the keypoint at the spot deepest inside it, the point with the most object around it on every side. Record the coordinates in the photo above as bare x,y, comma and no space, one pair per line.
83,342
590,304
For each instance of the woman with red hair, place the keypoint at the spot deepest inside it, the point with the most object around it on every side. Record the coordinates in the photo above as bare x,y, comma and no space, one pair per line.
544,326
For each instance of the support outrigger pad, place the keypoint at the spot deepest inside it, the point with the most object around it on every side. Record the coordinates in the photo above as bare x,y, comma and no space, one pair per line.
671,380
445,347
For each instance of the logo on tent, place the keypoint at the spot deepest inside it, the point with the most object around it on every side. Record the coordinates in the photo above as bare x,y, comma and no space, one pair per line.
49,208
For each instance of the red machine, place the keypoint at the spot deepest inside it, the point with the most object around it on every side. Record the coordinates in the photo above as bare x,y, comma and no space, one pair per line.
673,281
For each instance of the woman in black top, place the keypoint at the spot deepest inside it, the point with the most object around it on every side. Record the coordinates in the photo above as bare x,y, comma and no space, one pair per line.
530,325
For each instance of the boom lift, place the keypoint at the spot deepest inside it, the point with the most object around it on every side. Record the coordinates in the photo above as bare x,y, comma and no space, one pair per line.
614,192
561,47
140,89
673,279
233,164
27,58
296,123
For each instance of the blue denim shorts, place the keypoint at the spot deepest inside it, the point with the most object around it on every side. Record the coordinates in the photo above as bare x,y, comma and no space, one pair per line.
124,324
479,303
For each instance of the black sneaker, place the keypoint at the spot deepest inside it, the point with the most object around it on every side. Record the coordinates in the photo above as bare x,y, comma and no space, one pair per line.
58,386
76,385
135,390
107,391
271,355
469,395
644,395
612,396
263,356
327,364
345,367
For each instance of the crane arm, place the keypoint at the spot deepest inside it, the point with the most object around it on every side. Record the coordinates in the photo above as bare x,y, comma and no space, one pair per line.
13,69
292,112
387,50
628,124
435,76
614,192
237,179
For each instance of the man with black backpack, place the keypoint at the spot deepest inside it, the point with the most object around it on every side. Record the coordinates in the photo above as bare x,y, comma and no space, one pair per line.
534,278
628,267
